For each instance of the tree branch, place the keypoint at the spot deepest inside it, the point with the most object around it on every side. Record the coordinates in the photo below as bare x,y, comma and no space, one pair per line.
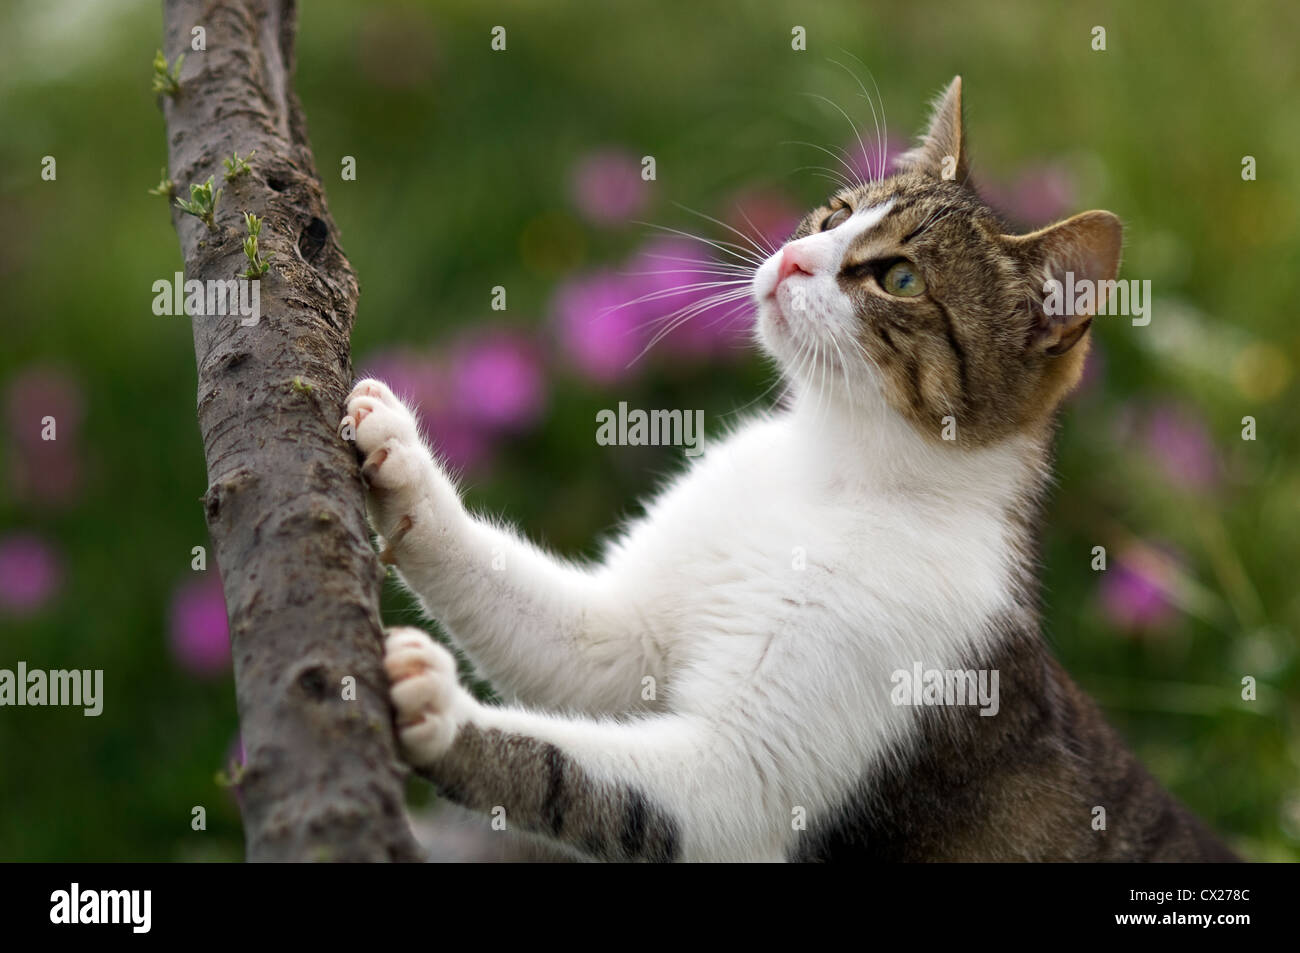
285,501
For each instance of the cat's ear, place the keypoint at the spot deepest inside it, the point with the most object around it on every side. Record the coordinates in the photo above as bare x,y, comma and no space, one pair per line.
1068,261
942,150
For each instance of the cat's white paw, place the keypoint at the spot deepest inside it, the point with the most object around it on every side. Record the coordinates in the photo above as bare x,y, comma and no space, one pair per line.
399,469
431,704
388,437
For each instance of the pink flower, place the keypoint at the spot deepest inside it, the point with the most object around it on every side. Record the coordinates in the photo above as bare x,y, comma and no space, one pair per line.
599,327
39,392
865,158
1180,445
29,573
1136,591
411,376
425,386
1040,194
608,188
44,471
497,380
768,217
1094,369
200,633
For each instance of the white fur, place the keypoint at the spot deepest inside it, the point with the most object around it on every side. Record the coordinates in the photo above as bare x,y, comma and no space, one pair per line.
771,682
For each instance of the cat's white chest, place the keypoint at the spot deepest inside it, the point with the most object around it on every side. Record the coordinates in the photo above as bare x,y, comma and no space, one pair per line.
759,540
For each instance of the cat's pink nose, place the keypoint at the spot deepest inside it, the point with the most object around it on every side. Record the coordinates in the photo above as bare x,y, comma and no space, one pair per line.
794,258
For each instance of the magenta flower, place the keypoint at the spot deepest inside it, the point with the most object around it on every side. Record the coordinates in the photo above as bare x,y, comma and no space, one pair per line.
39,392
200,633
1039,195
1043,194
497,380
460,444
599,326
865,158
1094,369
1136,592
413,377
40,470
49,475
608,188
1180,444
426,387
765,216
29,573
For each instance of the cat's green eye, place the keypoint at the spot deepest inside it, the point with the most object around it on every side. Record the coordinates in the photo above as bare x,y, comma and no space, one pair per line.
837,217
902,280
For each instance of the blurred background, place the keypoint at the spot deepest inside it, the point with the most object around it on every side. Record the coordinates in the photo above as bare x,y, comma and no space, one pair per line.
522,169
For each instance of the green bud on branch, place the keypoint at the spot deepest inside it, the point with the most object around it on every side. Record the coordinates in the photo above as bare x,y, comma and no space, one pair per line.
202,203
165,82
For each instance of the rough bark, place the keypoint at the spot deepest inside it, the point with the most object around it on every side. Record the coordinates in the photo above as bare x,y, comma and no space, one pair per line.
285,501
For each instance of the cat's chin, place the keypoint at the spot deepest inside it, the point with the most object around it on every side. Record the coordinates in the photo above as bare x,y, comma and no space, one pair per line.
773,331
788,346
775,320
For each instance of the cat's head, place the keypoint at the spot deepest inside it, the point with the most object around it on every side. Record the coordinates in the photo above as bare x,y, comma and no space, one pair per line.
908,293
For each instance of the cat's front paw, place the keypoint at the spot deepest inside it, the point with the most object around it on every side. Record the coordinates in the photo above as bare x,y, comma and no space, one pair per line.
388,437
431,704
399,469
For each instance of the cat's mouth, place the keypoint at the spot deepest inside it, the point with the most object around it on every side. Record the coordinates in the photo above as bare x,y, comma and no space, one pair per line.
772,318
787,300
766,287
777,314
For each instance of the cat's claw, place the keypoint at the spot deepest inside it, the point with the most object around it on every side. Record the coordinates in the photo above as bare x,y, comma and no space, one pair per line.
431,704
388,555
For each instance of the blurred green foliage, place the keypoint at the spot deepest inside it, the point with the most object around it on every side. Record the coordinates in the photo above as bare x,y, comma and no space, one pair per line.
461,151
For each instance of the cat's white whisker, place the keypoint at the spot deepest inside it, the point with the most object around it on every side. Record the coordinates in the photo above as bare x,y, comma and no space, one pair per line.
717,221
882,142
725,267
779,379
730,275
739,286
829,174
767,243
846,376
679,317
727,248
736,287
852,125
851,180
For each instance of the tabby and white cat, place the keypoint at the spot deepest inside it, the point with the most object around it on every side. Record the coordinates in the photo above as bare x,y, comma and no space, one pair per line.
775,591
